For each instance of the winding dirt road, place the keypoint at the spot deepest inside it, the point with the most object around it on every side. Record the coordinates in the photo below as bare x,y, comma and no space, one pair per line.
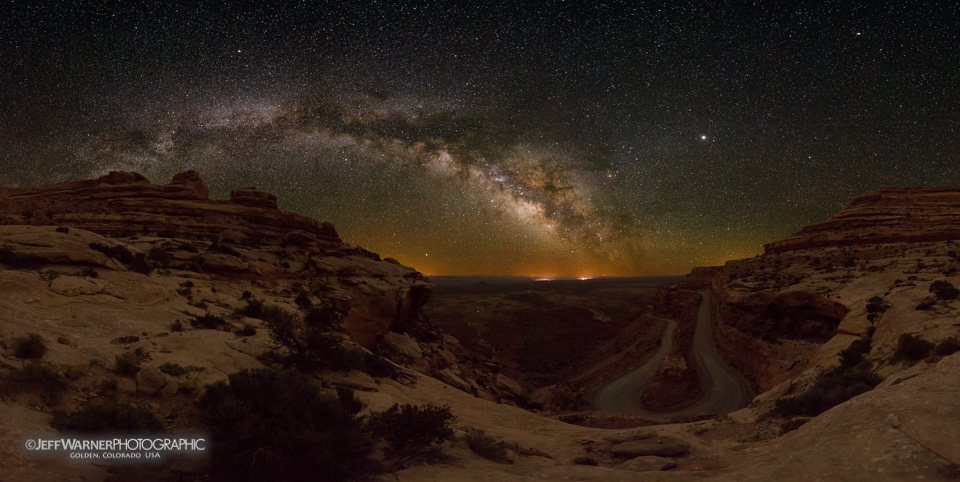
726,390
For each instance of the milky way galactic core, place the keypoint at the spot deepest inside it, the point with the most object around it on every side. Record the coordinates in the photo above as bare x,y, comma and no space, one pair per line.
549,138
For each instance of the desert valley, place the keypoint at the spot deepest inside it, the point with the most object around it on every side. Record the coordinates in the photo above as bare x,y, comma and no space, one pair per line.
131,306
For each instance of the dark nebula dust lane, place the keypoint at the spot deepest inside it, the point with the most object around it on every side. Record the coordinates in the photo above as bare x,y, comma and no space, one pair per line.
542,138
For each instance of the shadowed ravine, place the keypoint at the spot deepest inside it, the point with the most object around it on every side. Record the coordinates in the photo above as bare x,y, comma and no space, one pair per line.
726,390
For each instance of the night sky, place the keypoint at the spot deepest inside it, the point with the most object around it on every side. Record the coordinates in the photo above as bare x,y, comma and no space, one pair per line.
536,138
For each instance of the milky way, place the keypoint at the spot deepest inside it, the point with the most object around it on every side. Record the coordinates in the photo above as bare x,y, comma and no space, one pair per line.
553,138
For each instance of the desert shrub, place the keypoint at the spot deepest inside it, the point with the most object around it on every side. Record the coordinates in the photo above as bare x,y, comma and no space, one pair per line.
176,326
303,300
36,375
127,364
246,294
140,264
107,416
159,257
118,252
247,330
912,348
486,446
89,272
830,391
195,264
216,247
31,347
944,290
853,354
410,428
323,317
188,284
184,291
136,262
926,305
187,247
254,308
173,369
63,229
947,346
793,424
348,400
378,366
268,425
16,260
208,321
312,347
584,460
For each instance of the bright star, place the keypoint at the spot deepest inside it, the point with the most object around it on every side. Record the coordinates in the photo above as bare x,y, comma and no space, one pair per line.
703,138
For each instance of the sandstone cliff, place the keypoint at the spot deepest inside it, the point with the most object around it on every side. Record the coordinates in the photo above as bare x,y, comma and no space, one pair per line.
247,238
890,215
865,274
126,203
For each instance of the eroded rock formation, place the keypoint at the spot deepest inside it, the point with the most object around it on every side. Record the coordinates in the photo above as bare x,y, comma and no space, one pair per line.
247,238
890,215
126,203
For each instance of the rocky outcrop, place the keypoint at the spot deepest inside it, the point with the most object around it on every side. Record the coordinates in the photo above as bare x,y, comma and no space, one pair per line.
890,215
192,180
770,335
124,203
247,238
790,314
251,196
652,446
699,278
676,383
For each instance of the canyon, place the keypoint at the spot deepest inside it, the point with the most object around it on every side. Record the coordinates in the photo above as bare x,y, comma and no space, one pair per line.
845,334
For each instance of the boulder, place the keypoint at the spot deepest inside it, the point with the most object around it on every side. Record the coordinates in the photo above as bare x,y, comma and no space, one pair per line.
354,379
126,385
75,286
402,344
508,385
657,446
648,463
150,380
223,262
170,389
301,239
85,257
251,196
618,439
120,177
447,376
192,180
446,356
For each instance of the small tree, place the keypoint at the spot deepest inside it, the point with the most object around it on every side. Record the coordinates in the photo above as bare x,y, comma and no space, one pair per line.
107,416
944,290
912,348
31,346
410,428
277,426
